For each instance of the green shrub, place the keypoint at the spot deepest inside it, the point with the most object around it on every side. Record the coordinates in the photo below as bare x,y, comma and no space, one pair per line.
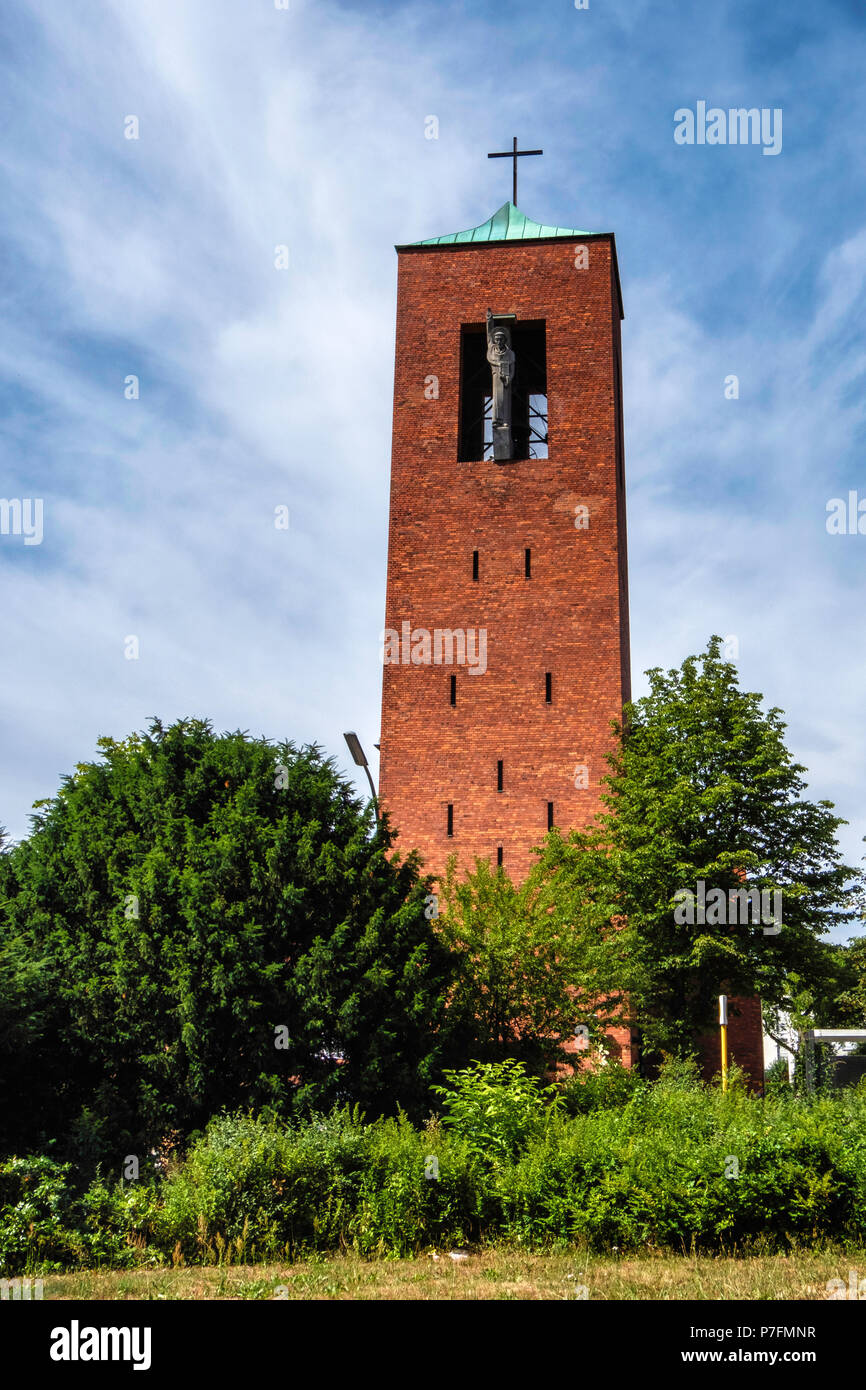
682,1166
608,1088
45,1225
776,1078
495,1107
255,1187
120,1222
676,1166
419,1190
34,1214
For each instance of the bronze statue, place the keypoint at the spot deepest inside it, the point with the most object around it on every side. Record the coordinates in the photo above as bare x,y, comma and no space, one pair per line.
501,357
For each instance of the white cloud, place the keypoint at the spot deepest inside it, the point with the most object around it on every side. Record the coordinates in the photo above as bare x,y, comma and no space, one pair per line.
261,387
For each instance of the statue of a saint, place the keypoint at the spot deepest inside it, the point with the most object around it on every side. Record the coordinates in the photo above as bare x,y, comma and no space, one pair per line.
501,357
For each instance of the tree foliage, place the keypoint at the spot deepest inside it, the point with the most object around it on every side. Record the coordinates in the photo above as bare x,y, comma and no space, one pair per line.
701,788
526,974
847,1007
199,921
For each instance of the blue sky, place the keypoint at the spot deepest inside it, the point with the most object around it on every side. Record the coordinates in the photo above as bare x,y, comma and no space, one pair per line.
260,127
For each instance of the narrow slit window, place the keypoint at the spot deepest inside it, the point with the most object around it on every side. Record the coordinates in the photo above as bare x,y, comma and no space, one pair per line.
548,687
499,856
550,815
499,776
527,563
454,690
475,565
450,819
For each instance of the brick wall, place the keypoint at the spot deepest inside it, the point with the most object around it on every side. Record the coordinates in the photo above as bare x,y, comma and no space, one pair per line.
569,618
745,1042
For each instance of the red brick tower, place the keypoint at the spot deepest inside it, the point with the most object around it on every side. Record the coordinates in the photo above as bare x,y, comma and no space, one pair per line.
506,630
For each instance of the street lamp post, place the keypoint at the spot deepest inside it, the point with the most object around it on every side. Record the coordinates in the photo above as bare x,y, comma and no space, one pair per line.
359,757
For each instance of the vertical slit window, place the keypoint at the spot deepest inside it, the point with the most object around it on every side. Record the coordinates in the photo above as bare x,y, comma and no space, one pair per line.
527,563
548,687
450,819
499,856
454,690
550,815
499,776
475,565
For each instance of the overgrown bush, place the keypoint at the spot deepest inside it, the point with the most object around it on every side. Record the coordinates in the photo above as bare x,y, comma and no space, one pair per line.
35,1204
420,1189
495,1107
255,1186
677,1165
777,1081
46,1225
608,1088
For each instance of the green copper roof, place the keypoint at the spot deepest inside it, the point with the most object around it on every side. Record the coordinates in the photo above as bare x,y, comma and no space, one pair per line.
508,224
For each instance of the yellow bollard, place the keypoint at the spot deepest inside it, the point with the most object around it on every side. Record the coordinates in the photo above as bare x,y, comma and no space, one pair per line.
723,1024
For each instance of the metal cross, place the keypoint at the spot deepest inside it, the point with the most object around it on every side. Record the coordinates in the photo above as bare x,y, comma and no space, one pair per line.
514,154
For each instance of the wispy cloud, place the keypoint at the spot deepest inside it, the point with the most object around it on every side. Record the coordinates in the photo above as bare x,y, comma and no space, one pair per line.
260,387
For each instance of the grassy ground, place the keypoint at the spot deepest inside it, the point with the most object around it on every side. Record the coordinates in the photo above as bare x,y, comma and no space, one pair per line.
491,1274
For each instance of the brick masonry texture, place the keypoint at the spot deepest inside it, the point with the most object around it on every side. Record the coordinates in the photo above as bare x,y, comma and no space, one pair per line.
745,1041
570,618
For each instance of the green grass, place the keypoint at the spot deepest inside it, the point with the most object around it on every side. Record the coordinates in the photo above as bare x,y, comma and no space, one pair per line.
489,1274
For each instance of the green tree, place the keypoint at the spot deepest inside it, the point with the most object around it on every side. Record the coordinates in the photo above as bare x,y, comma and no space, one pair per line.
702,788
30,1043
220,922
526,976
846,1008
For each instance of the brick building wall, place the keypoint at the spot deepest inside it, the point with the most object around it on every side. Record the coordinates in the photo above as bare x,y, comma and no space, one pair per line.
745,1042
569,618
